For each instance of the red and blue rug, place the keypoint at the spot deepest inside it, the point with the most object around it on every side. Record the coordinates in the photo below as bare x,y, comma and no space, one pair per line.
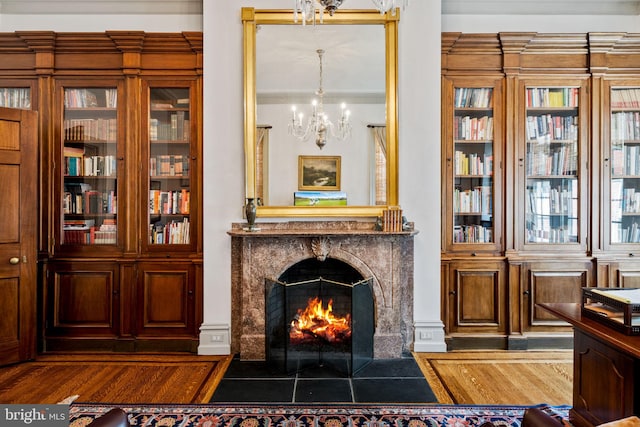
388,415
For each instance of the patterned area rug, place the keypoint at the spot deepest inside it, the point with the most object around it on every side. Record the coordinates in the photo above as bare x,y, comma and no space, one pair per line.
314,415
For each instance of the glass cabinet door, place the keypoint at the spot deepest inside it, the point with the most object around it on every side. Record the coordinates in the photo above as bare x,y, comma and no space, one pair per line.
16,97
472,159
552,150
169,177
625,165
89,166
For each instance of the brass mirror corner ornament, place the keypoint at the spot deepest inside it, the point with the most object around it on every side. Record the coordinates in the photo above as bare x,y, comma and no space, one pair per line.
251,19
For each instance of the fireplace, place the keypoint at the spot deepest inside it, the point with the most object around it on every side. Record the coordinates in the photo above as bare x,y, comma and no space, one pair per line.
316,249
316,321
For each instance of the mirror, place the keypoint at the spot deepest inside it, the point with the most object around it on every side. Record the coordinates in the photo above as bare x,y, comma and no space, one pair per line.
273,157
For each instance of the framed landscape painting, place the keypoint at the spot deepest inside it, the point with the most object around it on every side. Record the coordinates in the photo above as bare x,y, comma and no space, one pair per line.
319,173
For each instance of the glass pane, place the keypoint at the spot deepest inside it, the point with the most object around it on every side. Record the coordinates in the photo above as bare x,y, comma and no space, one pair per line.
89,200
473,166
552,165
169,166
625,165
15,97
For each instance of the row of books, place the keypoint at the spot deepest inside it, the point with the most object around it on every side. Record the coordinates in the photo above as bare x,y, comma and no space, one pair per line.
169,165
473,128
551,235
548,128
630,199
173,233
12,97
466,97
622,234
90,165
89,202
472,164
477,200
543,160
472,234
542,199
625,160
82,130
625,126
169,202
91,98
539,97
84,232
625,98
177,128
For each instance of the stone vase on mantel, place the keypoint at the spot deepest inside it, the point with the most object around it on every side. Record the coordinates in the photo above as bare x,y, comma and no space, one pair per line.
250,213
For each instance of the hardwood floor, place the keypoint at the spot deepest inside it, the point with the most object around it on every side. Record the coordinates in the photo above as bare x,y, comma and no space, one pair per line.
500,377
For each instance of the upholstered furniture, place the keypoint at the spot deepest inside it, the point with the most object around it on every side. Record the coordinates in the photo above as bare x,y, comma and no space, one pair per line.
116,417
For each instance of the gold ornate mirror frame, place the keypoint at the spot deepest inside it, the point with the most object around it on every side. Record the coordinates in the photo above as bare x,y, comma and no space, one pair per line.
251,19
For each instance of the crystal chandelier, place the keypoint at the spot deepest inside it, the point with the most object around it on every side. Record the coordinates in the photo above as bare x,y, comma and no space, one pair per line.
319,124
307,8
390,5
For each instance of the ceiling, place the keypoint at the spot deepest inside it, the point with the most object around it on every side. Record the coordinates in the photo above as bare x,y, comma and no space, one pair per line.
473,7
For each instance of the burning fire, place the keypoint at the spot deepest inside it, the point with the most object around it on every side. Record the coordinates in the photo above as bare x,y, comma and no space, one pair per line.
314,322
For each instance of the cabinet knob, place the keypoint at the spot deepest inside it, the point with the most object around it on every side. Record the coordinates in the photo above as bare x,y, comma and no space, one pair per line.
14,261
526,293
452,292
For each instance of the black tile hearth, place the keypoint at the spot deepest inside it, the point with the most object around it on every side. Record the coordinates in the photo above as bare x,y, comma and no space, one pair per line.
382,381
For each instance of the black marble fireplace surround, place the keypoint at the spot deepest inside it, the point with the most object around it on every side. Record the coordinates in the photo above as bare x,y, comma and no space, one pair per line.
385,257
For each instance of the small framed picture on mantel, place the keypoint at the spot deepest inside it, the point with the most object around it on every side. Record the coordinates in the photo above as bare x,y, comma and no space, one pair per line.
318,173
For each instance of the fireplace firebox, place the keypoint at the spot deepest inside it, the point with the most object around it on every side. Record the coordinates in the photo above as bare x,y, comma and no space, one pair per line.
319,321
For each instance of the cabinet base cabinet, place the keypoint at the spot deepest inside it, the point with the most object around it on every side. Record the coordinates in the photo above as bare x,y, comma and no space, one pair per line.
610,394
93,306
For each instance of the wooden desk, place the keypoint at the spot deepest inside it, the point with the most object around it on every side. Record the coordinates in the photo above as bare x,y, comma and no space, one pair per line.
606,369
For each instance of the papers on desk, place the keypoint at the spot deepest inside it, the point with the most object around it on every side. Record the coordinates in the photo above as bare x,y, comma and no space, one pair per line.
628,296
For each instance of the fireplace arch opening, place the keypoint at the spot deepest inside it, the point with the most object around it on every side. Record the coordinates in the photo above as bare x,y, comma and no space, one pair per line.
319,314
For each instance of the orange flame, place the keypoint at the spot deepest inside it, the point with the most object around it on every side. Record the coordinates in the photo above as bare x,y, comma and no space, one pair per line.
316,322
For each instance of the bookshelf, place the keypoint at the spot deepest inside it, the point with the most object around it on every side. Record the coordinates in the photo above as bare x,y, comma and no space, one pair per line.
551,165
473,153
16,97
89,135
624,154
169,166
106,282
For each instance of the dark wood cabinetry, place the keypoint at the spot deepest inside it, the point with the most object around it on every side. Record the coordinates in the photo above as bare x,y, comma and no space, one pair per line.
120,170
540,179
606,368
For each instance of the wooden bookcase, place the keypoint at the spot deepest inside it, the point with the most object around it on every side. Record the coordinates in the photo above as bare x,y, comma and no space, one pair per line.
120,243
561,212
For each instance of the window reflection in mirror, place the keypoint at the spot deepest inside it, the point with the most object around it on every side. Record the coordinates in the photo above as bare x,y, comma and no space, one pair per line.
359,69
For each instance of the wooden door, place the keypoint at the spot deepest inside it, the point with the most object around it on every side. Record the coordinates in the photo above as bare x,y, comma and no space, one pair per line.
18,234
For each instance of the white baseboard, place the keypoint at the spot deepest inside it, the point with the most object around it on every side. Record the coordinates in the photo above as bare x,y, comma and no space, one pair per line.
429,337
215,339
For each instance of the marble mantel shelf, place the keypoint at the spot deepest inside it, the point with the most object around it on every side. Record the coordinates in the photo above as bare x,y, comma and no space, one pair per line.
306,229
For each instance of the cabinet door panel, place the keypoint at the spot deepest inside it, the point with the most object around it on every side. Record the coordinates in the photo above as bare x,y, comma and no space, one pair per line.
629,279
609,395
553,286
83,300
476,297
165,295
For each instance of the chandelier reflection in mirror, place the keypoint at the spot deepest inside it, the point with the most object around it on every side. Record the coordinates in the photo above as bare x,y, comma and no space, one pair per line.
319,124
307,9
